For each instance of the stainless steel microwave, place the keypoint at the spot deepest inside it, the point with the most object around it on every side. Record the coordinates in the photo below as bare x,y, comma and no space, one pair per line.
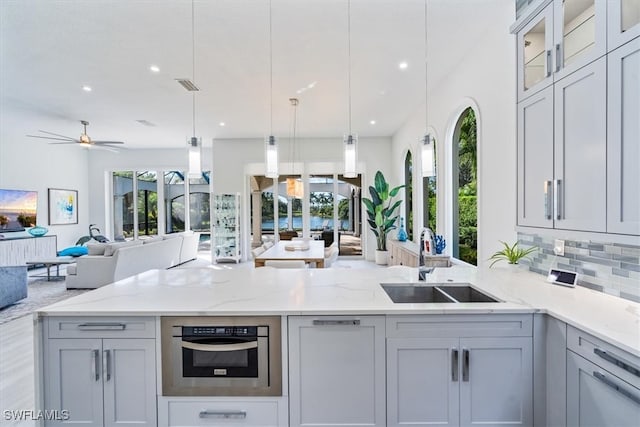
221,356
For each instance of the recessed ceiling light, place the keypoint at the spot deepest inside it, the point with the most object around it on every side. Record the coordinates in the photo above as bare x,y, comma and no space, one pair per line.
154,68
222,124
372,122
86,88
403,65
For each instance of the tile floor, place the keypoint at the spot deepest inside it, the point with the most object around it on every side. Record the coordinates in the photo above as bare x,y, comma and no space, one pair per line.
17,375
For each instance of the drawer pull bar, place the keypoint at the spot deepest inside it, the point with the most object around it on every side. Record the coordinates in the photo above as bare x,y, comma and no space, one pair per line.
350,322
616,387
102,326
617,361
223,414
465,365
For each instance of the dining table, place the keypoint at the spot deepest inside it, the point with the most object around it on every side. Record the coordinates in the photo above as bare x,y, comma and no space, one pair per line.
309,251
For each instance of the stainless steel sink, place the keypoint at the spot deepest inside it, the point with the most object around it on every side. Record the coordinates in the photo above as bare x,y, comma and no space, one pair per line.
417,293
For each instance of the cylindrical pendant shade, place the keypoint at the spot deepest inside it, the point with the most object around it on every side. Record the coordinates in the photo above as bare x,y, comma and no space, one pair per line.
194,157
428,167
271,157
350,155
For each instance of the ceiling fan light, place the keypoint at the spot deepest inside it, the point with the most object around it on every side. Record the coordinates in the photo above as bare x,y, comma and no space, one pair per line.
84,139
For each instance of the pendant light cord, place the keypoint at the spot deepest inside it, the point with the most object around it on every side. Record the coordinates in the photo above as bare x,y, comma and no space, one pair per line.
270,71
426,68
349,57
193,62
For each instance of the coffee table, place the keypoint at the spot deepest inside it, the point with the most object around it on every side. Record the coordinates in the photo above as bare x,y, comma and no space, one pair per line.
50,262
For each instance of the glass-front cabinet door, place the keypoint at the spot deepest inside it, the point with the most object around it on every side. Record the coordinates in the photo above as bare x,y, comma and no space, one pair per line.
623,22
535,62
580,34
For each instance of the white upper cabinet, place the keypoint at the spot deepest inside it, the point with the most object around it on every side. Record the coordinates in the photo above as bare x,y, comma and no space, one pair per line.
623,23
565,36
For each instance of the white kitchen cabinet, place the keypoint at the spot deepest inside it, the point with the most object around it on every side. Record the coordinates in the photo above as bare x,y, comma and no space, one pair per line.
337,370
595,397
580,149
451,371
100,381
226,227
563,37
623,22
623,138
535,160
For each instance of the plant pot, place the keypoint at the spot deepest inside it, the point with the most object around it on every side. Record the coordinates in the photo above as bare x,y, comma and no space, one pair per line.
382,257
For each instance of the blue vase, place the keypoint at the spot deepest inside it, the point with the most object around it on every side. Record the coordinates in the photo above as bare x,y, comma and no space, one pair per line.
402,234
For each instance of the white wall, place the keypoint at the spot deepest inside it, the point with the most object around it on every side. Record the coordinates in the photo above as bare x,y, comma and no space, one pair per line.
480,71
33,164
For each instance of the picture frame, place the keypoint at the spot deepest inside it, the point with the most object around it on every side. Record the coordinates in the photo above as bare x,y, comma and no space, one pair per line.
63,206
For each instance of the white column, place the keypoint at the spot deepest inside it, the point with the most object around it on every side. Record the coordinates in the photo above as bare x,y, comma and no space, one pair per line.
289,213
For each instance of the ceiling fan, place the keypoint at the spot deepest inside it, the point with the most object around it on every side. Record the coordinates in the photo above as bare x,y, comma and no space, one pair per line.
84,139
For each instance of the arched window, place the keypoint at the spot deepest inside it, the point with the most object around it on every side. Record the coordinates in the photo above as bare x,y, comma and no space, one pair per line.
464,186
408,191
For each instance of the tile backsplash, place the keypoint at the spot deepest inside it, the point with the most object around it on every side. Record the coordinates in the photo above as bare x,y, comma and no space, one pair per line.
612,268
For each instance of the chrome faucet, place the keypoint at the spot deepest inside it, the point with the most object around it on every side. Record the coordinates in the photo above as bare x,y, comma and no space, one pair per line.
427,246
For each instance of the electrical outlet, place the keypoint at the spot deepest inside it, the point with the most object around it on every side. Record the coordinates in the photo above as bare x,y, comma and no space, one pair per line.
558,247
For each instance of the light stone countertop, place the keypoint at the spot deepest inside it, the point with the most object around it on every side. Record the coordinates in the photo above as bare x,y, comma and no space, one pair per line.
336,291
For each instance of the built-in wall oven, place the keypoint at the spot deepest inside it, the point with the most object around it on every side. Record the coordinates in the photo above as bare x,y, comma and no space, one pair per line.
221,356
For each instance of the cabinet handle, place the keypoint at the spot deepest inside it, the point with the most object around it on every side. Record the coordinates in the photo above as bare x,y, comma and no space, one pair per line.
558,58
454,365
609,357
623,391
223,414
102,326
465,365
350,322
548,192
107,364
557,203
95,371
548,63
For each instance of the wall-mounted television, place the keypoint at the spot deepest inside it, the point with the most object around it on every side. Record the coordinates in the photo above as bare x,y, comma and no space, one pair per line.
18,209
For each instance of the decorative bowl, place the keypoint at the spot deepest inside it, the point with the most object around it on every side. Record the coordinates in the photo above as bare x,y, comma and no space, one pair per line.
37,231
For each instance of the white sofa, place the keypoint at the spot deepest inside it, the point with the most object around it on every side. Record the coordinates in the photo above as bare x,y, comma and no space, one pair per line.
110,262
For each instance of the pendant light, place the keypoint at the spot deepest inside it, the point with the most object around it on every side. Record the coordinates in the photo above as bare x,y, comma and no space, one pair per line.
427,150
271,145
350,141
294,185
194,144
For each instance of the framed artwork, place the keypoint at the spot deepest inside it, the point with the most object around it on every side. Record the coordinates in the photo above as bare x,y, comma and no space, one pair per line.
63,206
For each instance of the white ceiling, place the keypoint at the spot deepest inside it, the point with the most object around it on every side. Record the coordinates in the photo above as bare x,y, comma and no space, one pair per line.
51,48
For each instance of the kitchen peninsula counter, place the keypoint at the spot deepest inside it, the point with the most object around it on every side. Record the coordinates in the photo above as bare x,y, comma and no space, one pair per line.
265,291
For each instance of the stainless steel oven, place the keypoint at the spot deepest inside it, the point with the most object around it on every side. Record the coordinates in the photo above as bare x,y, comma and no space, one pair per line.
221,356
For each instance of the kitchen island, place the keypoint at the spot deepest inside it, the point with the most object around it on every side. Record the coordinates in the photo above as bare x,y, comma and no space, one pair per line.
383,347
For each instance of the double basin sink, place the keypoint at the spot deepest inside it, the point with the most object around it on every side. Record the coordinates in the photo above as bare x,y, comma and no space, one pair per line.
417,293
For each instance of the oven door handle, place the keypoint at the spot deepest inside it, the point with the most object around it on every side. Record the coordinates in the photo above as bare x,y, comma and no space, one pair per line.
220,347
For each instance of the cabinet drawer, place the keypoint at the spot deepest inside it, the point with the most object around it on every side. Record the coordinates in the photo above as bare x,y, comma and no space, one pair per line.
605,355
216,413
427,326
101,327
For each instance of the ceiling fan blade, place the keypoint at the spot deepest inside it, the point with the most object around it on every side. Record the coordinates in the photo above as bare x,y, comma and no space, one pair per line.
51,133
52,138
66,142
106,142
104,147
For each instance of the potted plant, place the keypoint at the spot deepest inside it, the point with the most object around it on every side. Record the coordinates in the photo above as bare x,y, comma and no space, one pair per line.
380,212
512,254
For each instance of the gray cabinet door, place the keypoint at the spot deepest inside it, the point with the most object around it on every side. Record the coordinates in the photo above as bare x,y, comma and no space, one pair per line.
623,139
535,160
597,398
496,382
74,380
129,376
580,147
423,377
337,371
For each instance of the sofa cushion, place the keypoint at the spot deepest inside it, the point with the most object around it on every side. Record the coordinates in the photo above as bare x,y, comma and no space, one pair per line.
152,239
72,269
96,248
112,248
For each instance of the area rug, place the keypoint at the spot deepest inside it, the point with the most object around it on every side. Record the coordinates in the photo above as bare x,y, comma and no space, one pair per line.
40,293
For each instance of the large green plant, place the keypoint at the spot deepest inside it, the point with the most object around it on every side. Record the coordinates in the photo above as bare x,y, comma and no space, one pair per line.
380,209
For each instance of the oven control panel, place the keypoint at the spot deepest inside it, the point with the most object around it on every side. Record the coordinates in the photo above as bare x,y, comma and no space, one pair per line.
220,331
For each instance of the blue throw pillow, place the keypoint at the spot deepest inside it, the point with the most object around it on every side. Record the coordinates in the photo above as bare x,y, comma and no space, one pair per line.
74,251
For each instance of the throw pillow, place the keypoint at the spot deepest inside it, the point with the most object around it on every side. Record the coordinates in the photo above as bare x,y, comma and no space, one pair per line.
73,251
